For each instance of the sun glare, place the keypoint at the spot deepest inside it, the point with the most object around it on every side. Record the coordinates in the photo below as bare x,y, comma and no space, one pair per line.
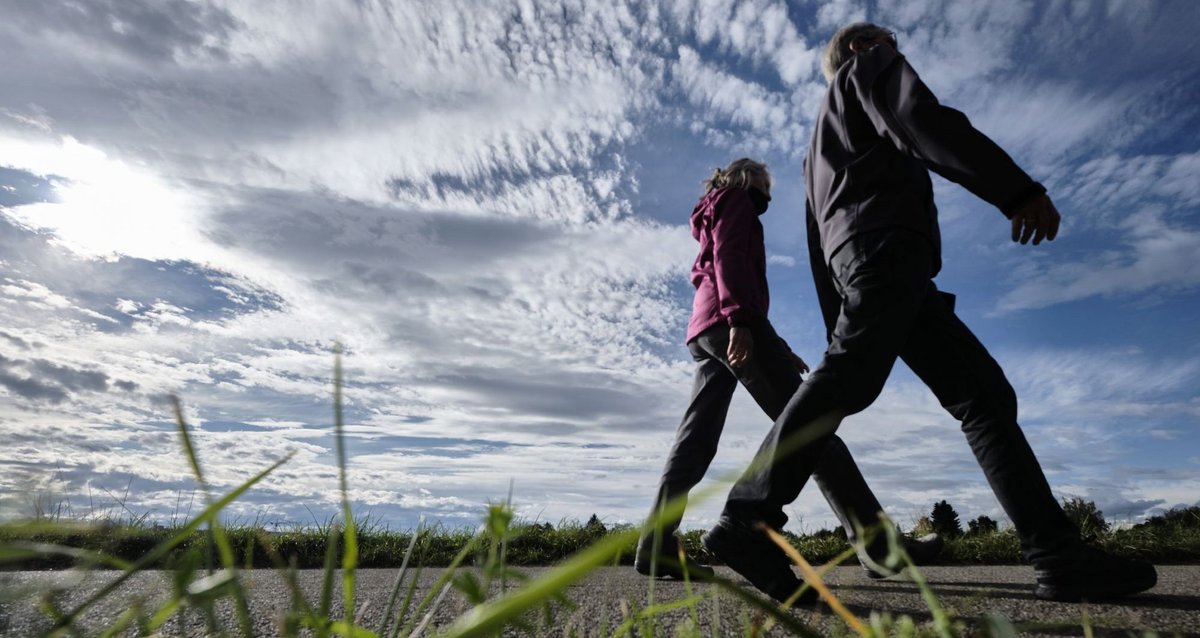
105,208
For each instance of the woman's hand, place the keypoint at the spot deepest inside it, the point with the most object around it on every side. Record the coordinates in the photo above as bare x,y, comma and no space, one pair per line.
741,345
801,367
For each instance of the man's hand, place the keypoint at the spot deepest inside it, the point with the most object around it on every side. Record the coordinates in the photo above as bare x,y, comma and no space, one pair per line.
741,345
1038,219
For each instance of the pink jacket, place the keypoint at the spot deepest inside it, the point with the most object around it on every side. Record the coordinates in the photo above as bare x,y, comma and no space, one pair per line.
730,273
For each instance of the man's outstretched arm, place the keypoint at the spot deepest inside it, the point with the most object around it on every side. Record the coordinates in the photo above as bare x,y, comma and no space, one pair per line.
907,113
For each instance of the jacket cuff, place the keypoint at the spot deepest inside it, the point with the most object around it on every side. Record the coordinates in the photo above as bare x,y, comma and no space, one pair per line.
1034,190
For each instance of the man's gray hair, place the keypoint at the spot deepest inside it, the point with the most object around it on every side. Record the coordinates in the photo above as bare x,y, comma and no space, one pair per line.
838,52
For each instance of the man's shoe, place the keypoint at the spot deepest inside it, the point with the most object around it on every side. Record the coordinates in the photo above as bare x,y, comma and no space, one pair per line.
1085,572
921,550
666,563
753,555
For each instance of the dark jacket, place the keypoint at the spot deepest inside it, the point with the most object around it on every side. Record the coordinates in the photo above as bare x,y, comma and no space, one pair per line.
879,132
730,272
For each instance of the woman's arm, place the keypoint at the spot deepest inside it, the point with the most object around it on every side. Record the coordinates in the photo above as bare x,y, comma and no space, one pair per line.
732,235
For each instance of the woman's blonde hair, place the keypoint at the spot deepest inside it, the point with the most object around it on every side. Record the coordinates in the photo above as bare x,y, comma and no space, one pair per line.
738,174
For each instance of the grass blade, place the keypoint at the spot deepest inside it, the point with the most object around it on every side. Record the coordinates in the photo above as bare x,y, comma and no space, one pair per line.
490,617
350,630
432,610
349,533
407,603
391,604
210,512
768,608
331,549
14,552
941,620
449,573
814,579
687,587
217,532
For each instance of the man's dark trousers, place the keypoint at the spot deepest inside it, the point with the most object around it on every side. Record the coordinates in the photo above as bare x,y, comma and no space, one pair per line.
771,378
891,308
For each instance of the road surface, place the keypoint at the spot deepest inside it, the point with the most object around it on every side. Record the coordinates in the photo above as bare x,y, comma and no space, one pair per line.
601,601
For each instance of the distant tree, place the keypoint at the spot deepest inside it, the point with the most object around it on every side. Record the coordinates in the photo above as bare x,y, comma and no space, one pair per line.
945,520
924,526
982,525
1086,517
594,527
1181,516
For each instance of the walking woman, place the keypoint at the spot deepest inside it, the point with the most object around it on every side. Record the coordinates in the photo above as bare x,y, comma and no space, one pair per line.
732,341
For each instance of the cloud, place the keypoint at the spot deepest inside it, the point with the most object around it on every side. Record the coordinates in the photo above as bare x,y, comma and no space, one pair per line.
954,44
1106,190
522,330
726,100
147,31
104,208
1157,257
15,340
1099,385
754,31
836,14
39,379
1045,122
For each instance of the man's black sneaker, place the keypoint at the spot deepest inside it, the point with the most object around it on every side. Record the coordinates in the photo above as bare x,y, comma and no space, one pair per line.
666,564
921,550
753,555
1083,572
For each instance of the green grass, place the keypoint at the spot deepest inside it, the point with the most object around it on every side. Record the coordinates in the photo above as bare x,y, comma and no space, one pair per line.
528,543
203,557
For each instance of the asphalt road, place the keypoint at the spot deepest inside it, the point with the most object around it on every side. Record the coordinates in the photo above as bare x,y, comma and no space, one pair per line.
600,602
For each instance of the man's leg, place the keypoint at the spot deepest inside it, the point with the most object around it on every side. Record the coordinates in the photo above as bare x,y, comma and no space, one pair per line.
882,278
771,378
971,386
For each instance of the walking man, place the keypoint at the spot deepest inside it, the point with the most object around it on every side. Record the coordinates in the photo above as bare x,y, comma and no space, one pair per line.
876,247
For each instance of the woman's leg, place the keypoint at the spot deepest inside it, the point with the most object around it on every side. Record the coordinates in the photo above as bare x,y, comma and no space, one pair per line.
771,378
698,435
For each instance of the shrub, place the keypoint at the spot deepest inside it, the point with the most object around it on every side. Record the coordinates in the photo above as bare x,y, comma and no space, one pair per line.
1089,520
981,525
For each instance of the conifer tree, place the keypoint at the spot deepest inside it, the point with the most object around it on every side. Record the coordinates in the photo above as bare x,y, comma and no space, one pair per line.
945,520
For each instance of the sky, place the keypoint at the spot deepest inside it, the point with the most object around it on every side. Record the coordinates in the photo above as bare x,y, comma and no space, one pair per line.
486,204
